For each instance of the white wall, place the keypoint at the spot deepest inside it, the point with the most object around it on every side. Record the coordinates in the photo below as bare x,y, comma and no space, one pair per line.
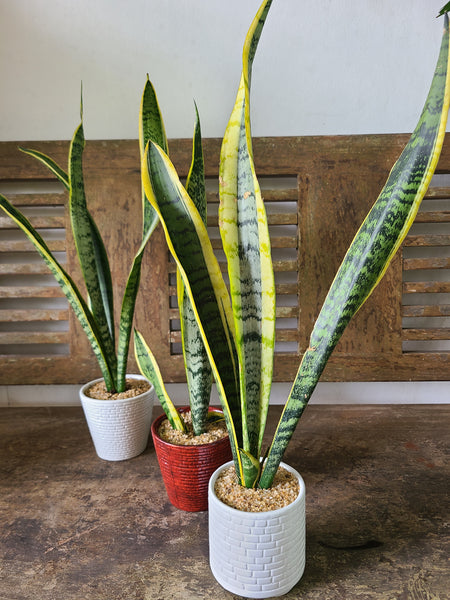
322,67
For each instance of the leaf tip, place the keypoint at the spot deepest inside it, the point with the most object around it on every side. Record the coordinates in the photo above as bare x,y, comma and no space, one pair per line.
444,11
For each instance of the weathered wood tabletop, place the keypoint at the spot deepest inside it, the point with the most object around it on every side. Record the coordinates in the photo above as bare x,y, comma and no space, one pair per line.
75,527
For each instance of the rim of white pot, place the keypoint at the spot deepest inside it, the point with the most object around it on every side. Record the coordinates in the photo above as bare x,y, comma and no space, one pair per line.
274,512
89,384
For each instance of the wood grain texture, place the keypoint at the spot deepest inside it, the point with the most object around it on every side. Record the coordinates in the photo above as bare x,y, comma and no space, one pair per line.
74,526
338,179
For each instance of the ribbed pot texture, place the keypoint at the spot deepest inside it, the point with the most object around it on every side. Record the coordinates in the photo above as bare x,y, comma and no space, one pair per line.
257,554
186,470
119,428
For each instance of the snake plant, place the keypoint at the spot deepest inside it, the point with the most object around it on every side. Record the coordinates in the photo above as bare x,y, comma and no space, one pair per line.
196,360
237,326
96,314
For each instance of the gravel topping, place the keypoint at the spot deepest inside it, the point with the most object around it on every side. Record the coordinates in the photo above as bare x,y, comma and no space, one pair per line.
215,430
284,490
134,387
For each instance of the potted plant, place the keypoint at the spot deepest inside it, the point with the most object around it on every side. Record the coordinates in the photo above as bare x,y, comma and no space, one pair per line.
266,558
190,443
119,426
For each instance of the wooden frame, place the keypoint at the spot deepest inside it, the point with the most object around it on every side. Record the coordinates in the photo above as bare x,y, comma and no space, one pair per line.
319,190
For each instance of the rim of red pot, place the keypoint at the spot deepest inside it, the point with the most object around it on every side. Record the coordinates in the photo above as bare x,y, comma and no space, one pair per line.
158,420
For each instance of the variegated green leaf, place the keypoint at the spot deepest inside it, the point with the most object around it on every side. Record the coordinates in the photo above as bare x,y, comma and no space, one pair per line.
245,237
371,251
74,297
198,369
50,164
148,366
90,249
251,469
151,127
195,182
444,10
126,317
188,242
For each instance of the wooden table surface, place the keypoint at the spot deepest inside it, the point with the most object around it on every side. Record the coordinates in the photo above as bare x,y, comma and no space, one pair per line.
73,526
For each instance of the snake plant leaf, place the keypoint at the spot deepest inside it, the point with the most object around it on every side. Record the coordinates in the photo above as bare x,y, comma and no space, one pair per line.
69,288
251,468
151,127
195,182
50,164
126,317
150,369
151,124
371,251
198,369
246,243
444,10
188,242
90,249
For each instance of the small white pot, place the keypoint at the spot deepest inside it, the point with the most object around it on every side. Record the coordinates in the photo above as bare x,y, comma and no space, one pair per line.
257,554
119,428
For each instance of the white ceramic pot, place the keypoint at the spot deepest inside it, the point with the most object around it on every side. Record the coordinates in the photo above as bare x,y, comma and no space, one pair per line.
119,428
257,555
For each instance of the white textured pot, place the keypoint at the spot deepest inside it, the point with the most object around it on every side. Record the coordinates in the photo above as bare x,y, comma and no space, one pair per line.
119,428
257,555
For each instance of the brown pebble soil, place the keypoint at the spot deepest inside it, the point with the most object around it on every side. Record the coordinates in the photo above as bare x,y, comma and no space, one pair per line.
284,491
134,387
215,430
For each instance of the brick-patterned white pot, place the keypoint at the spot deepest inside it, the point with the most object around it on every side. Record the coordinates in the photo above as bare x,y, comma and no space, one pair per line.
257,555
119,428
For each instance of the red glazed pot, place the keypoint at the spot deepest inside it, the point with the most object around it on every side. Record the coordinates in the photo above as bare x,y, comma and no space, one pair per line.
186,469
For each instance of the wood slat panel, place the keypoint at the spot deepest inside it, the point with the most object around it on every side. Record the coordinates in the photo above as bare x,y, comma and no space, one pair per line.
287,312
175,337
285,266
443,310
427,240
289,289
430,216
50,222
286,335
282,219
33,315
38,199
279,195
31,292
443,333
25,268
414,264
26,246
34,337
438,193
338,178
425,287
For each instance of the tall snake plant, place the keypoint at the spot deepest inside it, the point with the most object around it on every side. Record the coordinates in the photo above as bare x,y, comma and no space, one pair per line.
237,327
96,314
196,360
